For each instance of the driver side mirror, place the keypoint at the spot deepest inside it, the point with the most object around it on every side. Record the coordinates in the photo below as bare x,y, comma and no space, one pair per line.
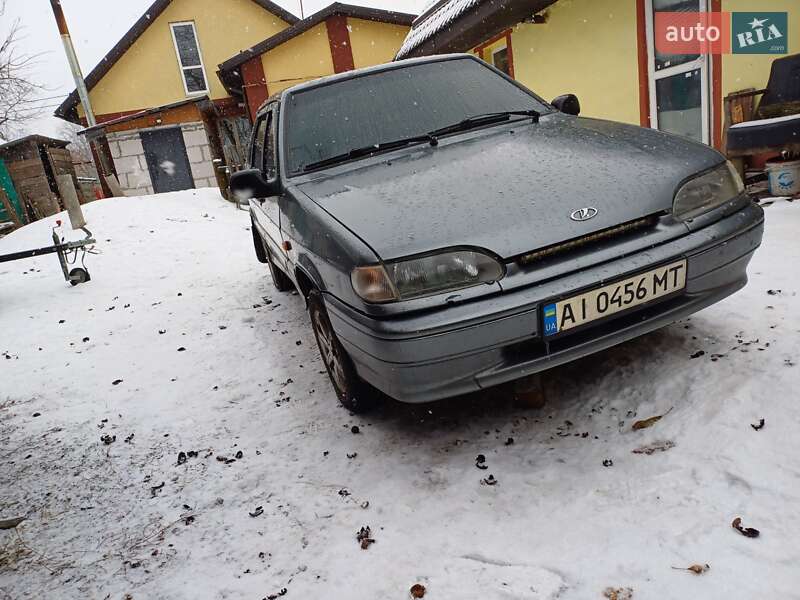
250,183
567,104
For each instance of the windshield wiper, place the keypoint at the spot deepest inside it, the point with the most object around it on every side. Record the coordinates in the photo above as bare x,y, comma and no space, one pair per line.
371,149
485,119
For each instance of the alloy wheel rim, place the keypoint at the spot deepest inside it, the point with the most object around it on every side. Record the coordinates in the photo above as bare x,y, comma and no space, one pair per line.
329,352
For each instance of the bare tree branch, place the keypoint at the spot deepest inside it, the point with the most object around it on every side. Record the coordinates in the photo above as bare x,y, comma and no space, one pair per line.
18,91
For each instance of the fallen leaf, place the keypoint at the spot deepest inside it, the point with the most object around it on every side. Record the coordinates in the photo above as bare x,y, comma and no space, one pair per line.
480,461
490,480
645,423
11,523
363,536
696,569
608,462
257,512
760,425
655,447
745,531
417,590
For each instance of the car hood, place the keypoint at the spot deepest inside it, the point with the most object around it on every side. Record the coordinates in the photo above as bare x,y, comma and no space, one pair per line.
509,189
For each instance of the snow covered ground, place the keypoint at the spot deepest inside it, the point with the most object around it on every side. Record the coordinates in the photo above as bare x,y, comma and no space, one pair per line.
180,345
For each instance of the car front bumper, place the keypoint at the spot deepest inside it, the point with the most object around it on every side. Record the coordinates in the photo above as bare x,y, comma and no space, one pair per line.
476,345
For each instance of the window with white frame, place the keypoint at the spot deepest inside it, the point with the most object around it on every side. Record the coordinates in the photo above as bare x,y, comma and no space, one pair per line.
190,60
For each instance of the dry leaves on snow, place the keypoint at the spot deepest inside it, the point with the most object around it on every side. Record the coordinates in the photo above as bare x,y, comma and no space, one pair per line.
364,537
745,531
696,569
645,423
650,449
417,590
618,593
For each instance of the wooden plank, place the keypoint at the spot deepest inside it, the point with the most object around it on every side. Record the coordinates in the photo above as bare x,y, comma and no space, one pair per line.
26,169
36,192
10,212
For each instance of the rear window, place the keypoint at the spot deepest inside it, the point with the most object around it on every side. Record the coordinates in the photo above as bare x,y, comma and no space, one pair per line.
382,107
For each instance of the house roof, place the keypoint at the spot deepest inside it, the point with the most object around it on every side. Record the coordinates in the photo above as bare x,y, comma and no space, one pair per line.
458,25
228,71
200,100
35,139
68,109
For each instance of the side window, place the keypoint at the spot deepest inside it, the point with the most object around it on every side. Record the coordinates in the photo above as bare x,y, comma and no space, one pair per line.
270,147
500,59
259,135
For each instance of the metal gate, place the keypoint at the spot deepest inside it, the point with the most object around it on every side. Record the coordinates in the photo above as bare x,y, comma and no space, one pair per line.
167,161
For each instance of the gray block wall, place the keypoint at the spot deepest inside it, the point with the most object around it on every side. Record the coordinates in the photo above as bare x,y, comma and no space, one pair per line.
129,160
199,152
128,154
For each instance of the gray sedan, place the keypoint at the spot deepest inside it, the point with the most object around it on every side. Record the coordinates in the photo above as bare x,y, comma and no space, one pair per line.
451,231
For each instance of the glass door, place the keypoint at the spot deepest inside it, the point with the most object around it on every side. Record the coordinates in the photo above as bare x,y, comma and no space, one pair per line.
679,83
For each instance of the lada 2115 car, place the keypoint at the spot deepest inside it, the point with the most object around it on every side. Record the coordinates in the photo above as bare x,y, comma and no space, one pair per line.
450,230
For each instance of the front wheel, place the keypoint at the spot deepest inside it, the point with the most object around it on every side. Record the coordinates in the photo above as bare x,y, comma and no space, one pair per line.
352,392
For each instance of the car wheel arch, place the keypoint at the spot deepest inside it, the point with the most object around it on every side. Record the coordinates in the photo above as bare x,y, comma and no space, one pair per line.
305,283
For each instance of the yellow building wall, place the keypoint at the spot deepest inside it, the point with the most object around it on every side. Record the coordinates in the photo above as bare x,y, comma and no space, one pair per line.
149,75
587,48
374,43
741,71
302,58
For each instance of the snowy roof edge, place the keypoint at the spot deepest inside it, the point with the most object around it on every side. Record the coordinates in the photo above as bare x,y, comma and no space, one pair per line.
442,17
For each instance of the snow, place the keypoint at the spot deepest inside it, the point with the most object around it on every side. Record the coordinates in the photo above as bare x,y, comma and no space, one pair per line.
428,25
760,122
558,524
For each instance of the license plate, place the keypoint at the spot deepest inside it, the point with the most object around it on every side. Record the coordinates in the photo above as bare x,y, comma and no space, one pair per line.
614,298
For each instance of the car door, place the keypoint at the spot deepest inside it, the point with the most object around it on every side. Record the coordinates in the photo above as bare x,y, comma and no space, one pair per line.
263,158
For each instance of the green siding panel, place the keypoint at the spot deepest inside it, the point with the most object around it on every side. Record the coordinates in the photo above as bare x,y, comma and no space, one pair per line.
8,186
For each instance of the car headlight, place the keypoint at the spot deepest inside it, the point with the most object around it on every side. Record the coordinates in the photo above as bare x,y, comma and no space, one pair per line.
426,275
706,192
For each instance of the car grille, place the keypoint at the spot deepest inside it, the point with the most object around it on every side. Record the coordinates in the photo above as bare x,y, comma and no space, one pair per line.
587,241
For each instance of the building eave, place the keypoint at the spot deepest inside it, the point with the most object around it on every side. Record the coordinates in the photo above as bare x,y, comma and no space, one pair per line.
473,26
228,70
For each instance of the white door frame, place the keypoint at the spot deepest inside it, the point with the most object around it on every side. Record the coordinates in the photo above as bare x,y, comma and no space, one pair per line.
703,63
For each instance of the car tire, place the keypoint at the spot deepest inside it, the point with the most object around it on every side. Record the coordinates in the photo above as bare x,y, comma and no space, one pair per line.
353,393
258,243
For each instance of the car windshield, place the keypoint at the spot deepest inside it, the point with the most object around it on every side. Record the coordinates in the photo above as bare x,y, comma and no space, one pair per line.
331,120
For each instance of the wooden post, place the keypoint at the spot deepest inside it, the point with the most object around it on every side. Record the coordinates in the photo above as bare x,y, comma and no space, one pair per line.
113,184
12,214
69,195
